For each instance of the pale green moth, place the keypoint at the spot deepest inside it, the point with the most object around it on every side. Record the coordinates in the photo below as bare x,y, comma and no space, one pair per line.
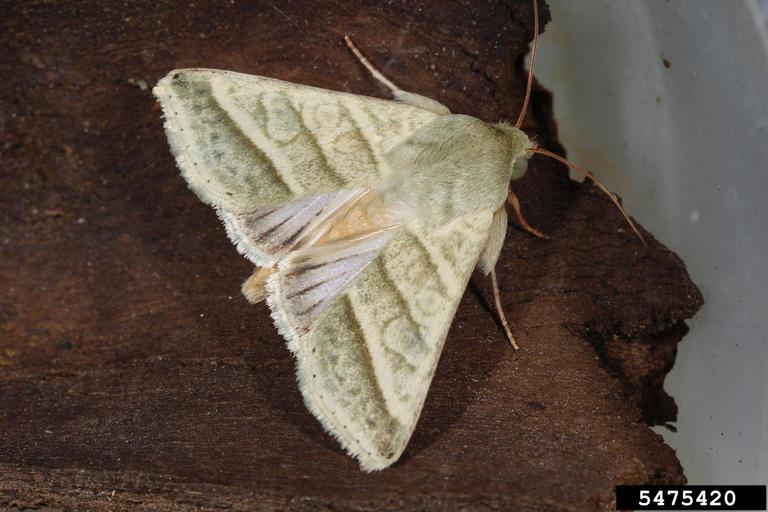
365,217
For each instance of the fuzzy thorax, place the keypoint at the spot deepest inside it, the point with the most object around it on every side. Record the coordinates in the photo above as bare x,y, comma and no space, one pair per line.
455,165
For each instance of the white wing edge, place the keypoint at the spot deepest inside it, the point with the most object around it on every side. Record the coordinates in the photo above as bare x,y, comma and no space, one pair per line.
242,243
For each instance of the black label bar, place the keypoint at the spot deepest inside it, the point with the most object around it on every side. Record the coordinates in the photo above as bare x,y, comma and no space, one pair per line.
690,497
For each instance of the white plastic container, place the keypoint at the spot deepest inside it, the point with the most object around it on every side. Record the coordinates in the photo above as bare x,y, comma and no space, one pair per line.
685,142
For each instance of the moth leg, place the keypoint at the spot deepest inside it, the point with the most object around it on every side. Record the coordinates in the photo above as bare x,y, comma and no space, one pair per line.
410,98
515,203
500,311
487,264
254,288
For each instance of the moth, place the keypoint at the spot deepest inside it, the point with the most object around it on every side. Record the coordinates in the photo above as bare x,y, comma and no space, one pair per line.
365,219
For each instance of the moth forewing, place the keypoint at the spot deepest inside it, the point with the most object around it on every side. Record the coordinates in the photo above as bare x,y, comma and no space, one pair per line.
246,143
366,365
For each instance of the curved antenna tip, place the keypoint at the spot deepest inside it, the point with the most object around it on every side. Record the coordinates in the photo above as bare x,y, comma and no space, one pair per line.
597,182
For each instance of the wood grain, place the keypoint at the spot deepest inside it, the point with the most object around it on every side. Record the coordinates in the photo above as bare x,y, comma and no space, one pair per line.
133,375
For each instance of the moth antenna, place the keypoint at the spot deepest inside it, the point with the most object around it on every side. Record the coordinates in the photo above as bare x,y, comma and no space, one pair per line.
592,177
372,70
500,311
527,98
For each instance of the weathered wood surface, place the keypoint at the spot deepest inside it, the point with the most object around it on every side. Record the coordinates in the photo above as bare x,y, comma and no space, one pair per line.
134,376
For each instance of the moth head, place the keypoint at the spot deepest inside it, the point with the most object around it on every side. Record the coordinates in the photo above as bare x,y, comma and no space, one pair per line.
519,145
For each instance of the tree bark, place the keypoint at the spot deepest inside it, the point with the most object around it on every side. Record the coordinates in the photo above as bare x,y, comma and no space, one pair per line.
133,375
